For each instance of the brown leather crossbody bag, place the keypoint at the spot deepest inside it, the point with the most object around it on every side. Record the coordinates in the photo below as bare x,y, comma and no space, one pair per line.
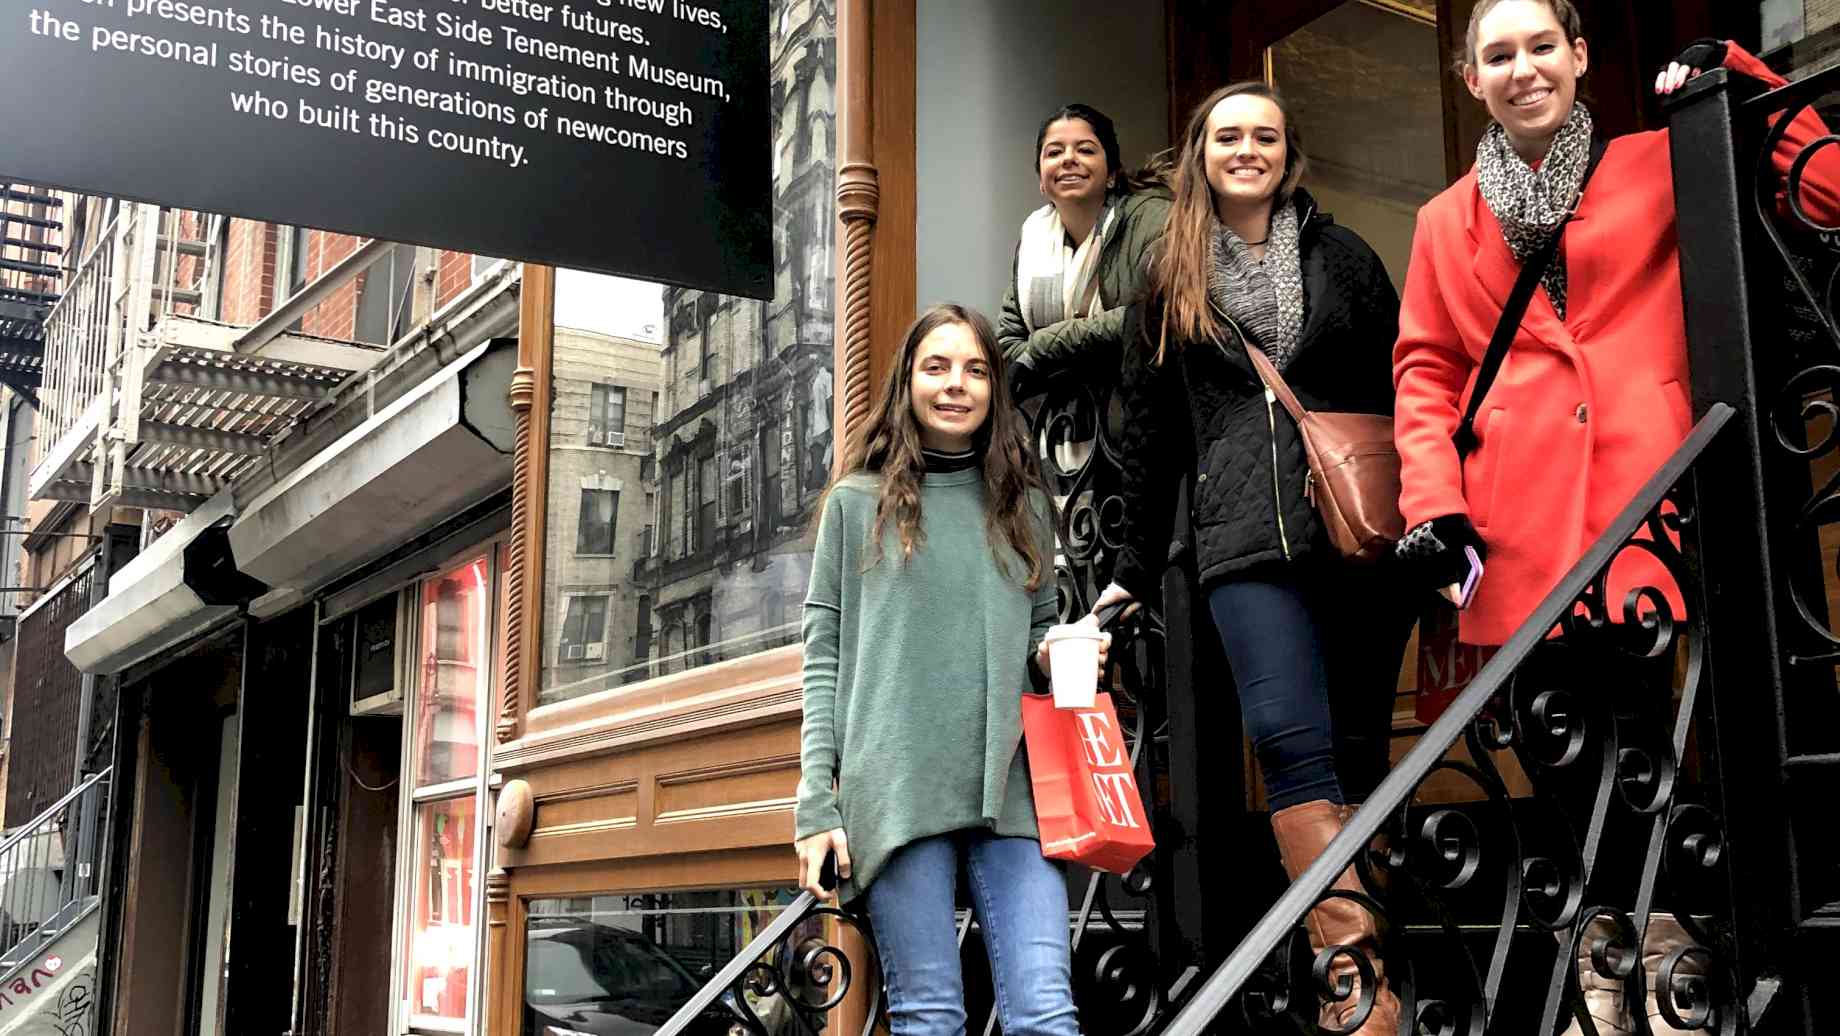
1354,469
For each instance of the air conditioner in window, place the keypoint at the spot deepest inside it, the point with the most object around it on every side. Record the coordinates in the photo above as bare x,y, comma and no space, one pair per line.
615,439
594,652
702,387
573,652
381,653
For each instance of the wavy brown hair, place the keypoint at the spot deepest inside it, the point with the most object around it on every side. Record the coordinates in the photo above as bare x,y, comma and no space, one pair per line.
1179,280
888,444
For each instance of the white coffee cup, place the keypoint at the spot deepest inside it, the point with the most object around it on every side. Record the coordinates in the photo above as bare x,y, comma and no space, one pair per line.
1073,663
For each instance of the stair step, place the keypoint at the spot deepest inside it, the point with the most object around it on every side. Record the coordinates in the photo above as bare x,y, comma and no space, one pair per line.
17,294
30,221
181,296
32,246
184,246
31,197
21,266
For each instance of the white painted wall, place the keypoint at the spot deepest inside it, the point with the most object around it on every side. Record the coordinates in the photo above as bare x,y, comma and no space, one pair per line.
989,72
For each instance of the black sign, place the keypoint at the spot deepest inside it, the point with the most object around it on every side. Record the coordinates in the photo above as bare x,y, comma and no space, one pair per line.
622,136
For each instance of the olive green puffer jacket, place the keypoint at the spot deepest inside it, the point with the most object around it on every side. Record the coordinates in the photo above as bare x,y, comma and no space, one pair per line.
1087,344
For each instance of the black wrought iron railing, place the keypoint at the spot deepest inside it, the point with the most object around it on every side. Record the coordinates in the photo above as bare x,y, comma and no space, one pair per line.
1597,696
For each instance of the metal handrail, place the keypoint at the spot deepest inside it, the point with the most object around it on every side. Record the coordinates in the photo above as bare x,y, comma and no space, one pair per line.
39,821
1284,915
77,888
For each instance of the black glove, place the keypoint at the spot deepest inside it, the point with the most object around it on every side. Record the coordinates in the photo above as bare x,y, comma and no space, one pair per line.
1703,54
1433,551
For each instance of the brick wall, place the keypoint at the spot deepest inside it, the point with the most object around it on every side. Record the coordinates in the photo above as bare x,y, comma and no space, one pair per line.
250,255
454,273
337,315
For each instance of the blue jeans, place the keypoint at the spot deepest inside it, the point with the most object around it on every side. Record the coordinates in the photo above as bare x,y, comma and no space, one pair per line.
1317,663
1021,903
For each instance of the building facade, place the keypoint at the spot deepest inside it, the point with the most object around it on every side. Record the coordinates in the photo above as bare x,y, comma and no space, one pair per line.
442,660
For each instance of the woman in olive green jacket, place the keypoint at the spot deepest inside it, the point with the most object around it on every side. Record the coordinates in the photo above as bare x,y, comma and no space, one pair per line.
1082,256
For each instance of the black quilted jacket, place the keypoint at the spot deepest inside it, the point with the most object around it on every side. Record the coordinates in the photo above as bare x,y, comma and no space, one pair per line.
1204,415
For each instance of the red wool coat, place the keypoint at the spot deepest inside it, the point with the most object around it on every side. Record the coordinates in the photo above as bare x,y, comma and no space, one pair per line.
1584,410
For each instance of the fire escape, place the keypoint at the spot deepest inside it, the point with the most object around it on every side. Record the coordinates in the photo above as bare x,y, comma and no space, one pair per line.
147,401
30,279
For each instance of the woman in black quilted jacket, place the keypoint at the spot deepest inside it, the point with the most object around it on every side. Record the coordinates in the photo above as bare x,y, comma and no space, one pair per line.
1314,643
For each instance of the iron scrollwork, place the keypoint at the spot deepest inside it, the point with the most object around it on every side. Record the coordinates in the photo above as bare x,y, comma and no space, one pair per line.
1609,878
1121,986
789,988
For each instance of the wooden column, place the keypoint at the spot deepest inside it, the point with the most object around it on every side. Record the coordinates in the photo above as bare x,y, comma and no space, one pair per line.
531,386
877,210
504,991
876,197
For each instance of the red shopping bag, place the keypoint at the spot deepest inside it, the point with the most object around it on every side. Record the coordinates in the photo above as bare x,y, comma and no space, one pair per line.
1446,665
1086,799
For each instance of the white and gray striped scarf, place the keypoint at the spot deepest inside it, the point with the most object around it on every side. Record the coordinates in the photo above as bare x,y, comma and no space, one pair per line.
1263,296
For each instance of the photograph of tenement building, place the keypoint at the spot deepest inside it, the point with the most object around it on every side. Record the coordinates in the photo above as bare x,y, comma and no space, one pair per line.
600,450
742,443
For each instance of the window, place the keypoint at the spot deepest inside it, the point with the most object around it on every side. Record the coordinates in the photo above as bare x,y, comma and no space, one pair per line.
723,426
482,265
643,955
770,448
705,504
458,652
674,510
383,301
594,531
297,260
298,241
584,629
607,416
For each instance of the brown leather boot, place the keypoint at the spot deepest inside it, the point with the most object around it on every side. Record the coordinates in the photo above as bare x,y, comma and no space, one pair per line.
1303,832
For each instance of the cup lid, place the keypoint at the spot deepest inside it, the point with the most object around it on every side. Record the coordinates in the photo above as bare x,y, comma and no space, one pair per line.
1072,631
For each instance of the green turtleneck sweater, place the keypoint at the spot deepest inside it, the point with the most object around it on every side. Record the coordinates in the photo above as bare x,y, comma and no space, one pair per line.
914,674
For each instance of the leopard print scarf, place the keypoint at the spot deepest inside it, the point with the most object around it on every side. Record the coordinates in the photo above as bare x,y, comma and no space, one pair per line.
1531,204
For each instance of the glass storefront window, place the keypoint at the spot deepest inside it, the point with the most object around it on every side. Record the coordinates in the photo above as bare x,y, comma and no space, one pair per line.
1364,82
441,931
460,659
690,433
625,962
456,672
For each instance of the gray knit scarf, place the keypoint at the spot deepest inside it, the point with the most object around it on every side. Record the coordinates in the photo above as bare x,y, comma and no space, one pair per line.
1263,296
1532,204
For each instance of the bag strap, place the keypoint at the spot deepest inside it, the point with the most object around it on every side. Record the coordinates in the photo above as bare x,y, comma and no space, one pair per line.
1511,313
1268,373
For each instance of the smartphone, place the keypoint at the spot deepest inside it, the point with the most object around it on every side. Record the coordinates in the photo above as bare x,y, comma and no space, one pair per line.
1474,577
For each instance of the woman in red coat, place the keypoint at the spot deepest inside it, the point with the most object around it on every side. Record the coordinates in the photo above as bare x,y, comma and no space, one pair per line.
1593,396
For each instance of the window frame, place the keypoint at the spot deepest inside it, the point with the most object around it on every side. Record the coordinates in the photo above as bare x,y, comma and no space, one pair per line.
403,1021
600,394
562,641
613,524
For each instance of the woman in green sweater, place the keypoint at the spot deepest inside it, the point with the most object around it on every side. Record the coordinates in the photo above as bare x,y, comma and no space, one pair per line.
932,583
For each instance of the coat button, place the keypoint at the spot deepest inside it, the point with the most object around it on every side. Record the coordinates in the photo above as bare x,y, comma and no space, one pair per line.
1583,413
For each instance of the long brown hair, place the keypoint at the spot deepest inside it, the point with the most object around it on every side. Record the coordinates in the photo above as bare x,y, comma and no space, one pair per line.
888,444
1179,281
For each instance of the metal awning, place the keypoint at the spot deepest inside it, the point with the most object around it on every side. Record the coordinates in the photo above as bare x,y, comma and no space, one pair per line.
442,446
